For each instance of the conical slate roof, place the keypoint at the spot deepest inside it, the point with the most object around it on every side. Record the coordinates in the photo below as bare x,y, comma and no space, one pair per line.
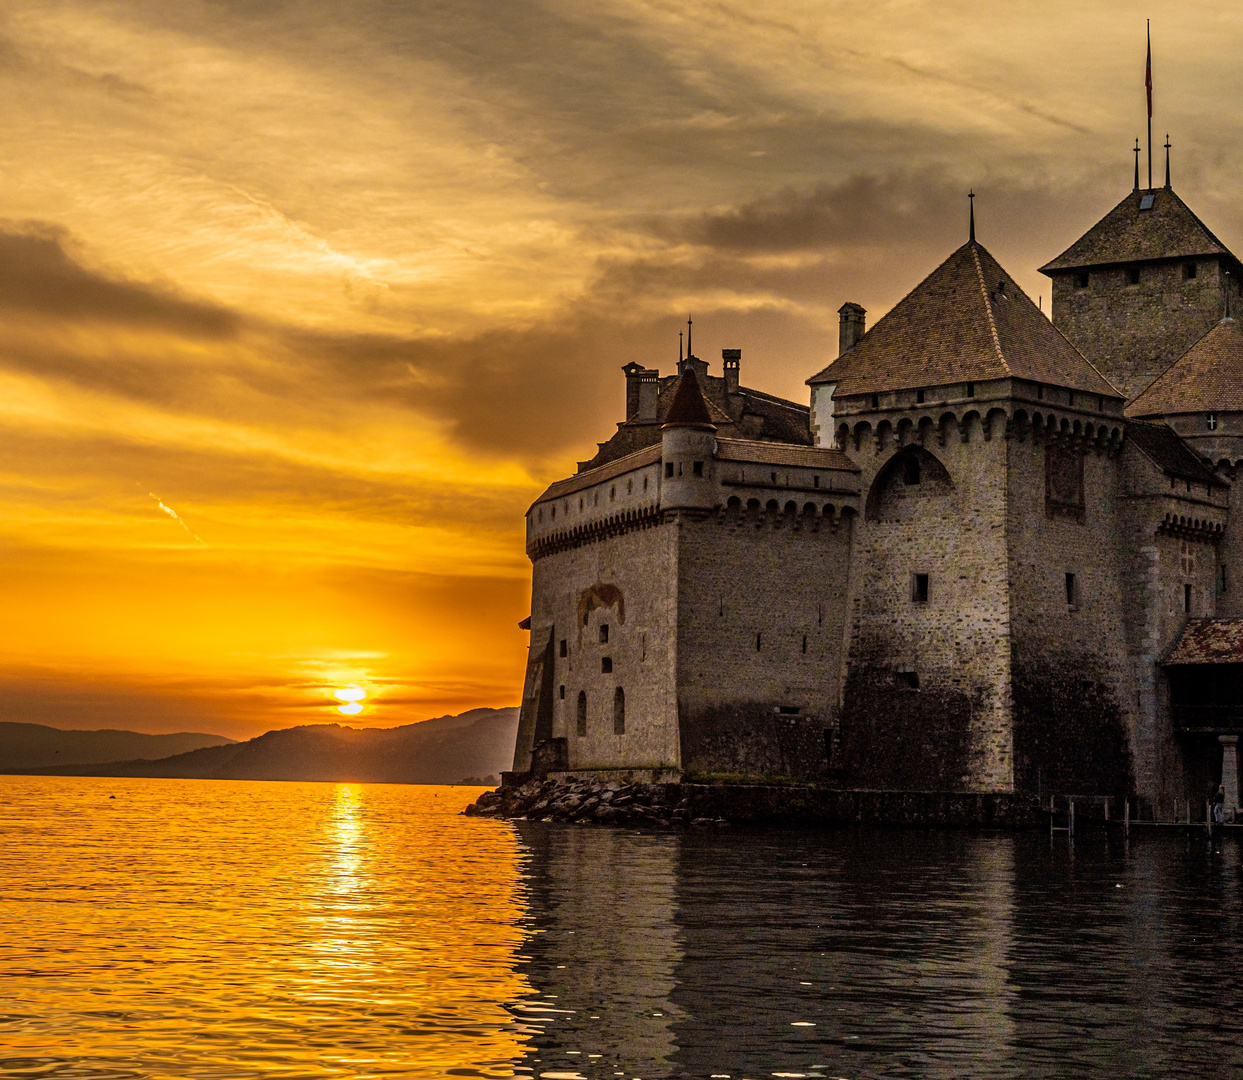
688,408
1167,230
967,321
1208,377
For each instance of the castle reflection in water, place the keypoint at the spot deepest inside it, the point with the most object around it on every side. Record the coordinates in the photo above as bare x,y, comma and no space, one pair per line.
860,953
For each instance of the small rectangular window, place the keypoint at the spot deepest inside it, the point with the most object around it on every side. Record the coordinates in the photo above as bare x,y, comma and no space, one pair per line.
1081,280
565,649
698,468
757,642
919,588
612,493
919,397
606,665
815,481
668,470
1189,271
1072,594
908,679
604,633
876,401
804,643
1070,397
1187,599
773,477
970,389
1132,275
562,692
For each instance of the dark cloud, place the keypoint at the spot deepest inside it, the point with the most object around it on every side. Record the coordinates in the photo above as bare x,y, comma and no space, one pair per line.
38,273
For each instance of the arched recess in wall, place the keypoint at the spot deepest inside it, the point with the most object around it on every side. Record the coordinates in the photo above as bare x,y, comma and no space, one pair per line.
909,477
582,712
619,711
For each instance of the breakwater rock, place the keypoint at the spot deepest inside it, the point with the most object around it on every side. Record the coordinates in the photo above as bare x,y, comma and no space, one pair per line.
674,805
661,805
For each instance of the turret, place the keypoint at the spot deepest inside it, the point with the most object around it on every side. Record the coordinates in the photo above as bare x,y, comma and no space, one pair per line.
688,441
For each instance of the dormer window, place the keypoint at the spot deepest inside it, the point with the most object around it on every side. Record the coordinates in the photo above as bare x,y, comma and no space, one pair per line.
1212,421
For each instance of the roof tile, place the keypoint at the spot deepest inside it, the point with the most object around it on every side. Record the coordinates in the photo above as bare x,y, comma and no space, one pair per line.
1162,446
1208,377
967,321
1169,230
1208,641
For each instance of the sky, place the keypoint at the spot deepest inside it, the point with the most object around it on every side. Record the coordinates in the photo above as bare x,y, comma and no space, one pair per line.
303,303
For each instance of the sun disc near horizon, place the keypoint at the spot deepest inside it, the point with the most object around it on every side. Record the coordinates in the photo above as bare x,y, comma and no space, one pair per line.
351,697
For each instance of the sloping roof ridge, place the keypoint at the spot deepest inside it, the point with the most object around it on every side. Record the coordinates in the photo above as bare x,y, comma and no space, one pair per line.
610,469
1202,471
988,307
1051,324
773,398
1196,218
1169,371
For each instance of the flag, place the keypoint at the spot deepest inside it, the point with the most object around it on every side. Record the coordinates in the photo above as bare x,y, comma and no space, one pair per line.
1148,76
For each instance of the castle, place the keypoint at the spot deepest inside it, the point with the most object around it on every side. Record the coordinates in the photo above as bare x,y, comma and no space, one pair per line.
997,553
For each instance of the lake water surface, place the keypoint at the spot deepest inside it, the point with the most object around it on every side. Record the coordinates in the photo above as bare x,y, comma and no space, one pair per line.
216,929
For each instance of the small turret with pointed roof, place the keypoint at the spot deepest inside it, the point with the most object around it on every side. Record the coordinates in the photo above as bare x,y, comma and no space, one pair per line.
688,444
688,408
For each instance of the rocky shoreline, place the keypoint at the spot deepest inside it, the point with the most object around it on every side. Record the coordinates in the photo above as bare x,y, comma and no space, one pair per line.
593,802
684,804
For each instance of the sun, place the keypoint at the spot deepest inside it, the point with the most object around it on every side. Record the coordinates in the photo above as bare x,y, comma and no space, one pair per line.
352,696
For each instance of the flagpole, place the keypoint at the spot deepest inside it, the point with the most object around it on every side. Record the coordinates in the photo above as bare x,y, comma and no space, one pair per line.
1148,80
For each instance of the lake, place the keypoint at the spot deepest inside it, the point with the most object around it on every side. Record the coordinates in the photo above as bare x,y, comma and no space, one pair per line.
218,929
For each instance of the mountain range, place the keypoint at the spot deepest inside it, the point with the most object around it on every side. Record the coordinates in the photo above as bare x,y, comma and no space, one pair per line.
473,746
29,746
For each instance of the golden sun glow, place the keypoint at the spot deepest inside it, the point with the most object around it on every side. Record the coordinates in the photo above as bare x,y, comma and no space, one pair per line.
352,697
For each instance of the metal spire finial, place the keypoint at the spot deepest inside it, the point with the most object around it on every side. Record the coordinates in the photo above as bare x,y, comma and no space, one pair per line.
679,348
689,352
971,201
1167,159
1136,153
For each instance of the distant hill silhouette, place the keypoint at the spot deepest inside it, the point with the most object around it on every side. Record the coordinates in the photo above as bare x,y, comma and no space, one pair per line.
476,745
27,746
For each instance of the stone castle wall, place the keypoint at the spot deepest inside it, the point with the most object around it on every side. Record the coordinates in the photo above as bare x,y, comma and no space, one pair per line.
761,611
926,697
627,583
1074,716
1132,333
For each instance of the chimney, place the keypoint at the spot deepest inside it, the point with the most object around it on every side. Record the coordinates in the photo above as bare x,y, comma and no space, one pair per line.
648,389
851,327
632,372
732,358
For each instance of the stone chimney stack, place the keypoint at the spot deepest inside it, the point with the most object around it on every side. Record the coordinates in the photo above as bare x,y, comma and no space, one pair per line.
851,327
732,359
632,372
649,395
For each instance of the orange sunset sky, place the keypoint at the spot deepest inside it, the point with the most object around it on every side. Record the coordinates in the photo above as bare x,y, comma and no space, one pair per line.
302,303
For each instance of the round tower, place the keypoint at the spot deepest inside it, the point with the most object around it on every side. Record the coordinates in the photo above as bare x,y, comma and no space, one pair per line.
688,441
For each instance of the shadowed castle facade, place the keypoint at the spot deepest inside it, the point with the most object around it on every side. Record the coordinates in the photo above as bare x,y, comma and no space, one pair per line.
997,553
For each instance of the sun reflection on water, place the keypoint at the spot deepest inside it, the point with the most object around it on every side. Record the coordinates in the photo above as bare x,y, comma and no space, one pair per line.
212,928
